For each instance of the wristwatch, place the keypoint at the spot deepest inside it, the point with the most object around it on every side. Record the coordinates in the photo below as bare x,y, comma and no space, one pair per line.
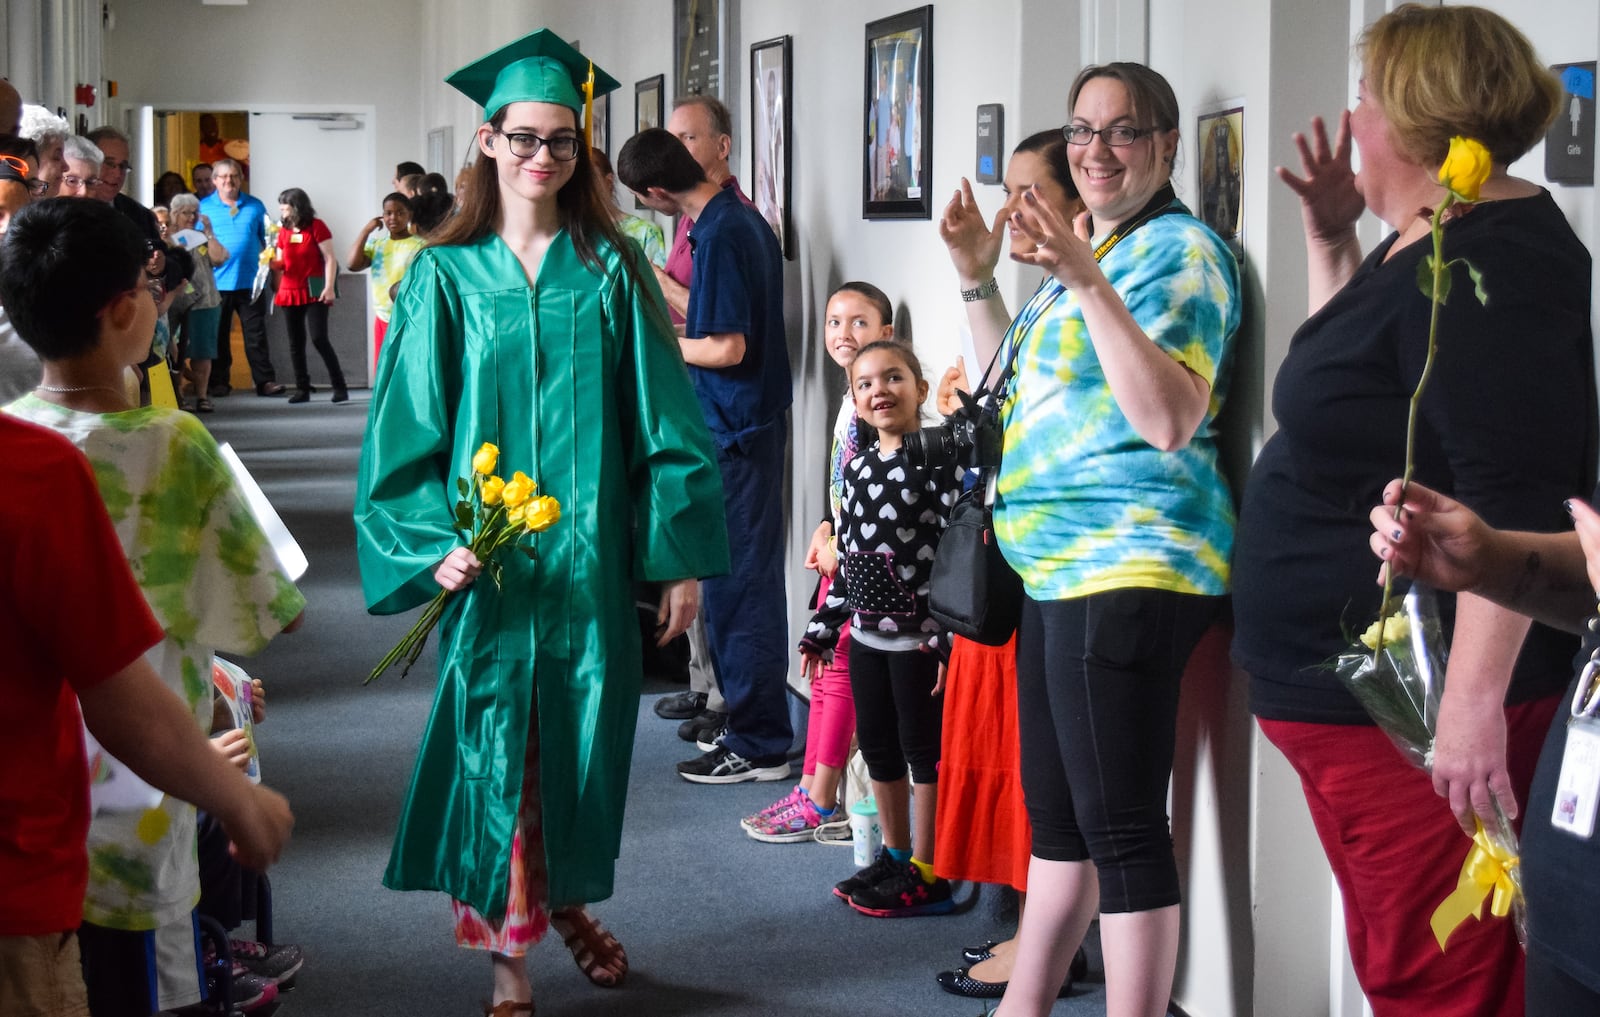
981,292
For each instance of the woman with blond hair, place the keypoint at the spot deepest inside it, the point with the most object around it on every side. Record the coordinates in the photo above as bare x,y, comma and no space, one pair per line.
1507,427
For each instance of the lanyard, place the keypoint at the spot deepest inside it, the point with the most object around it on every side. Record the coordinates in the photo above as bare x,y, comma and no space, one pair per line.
1160,204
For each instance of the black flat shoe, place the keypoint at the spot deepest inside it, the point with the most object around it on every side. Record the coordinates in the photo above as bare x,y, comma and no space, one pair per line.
974,954
341,395
300,396
959,983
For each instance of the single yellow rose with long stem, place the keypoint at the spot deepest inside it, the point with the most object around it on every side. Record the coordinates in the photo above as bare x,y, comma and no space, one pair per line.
1467,166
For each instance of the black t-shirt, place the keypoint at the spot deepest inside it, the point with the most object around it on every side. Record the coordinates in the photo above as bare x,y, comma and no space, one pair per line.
1507,426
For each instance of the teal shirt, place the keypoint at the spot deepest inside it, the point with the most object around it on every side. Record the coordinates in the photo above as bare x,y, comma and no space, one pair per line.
1084,505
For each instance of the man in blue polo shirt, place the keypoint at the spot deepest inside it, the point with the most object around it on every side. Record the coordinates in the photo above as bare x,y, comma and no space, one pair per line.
240,223
733,341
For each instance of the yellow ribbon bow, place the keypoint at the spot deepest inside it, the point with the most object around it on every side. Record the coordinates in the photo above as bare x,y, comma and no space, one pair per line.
588,108
1488,867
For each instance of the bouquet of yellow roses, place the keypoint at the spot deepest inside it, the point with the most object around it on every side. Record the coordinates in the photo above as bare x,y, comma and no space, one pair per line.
491,515
264,261
1397,673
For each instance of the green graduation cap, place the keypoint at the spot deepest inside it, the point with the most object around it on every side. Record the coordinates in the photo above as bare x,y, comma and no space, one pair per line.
539,67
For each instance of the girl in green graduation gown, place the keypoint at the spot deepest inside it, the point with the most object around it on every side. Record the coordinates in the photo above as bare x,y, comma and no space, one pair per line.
532,324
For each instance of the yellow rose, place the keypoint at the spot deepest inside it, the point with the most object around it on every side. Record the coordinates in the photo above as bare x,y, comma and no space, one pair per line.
514,514
1396,629
1465,168
543,512
492,488
484,460
518,489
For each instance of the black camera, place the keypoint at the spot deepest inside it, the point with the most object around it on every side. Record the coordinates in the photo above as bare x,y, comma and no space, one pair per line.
971,437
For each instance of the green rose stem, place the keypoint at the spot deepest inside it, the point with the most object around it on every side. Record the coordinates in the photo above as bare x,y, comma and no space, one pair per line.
1438,271
1434,281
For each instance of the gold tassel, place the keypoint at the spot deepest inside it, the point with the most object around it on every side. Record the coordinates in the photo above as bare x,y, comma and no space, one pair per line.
588,108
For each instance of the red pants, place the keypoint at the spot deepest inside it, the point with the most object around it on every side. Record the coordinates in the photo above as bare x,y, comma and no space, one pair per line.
379,329
1396,851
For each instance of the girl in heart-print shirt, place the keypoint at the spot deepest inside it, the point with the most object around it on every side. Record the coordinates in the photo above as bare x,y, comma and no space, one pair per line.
892,517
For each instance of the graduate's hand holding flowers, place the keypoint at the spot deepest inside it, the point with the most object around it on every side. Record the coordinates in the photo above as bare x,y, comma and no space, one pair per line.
491,514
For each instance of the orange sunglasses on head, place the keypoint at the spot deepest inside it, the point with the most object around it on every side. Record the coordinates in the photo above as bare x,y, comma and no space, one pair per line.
35,186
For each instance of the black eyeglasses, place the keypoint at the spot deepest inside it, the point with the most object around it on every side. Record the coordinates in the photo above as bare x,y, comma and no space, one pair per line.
563,148
1117,135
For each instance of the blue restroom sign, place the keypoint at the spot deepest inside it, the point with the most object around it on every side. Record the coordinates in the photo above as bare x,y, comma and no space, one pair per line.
1569,144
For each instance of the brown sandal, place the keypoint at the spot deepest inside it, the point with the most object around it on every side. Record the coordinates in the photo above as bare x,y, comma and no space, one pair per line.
508,1008
595,950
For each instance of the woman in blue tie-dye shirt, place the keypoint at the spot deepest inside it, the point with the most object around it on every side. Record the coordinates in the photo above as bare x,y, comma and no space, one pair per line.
1113,509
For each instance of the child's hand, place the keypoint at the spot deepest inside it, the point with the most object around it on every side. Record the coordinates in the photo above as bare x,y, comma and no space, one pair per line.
828,561
810,664
953,378
938,684
258,701
258,826
233,746
458,570
819,544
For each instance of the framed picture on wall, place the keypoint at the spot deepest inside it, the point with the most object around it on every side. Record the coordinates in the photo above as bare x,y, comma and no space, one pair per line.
649,100
897,150
771,121
1220,139
600,124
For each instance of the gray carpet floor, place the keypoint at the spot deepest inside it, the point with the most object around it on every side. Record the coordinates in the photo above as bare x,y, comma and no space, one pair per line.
716,924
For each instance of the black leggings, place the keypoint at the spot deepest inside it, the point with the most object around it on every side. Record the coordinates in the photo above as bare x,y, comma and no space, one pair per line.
898,722
1097,704
296,320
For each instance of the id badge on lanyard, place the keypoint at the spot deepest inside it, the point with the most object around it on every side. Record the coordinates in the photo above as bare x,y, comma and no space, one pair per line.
1578,787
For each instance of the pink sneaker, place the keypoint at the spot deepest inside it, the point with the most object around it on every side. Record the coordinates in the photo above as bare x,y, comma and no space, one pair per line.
794,795
792,824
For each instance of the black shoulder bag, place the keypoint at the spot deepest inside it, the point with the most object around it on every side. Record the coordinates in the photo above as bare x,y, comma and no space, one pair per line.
973,592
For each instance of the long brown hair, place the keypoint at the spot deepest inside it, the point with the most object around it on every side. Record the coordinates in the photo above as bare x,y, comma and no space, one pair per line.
584,213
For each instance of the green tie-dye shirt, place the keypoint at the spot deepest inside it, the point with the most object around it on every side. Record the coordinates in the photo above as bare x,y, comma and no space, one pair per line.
1084,504
211,579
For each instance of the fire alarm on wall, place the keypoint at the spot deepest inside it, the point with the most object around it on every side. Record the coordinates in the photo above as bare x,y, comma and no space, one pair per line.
84,95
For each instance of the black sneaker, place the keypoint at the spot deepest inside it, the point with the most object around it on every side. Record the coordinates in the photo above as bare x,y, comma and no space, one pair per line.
904,895
702,725
680,705
278,964
881,868
710,739
724,766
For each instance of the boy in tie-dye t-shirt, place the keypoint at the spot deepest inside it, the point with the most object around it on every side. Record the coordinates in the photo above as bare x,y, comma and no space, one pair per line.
71,277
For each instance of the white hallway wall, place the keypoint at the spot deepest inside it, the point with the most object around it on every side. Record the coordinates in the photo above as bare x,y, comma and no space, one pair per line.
309,53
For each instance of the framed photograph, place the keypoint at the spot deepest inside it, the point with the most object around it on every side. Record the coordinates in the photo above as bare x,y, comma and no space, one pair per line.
1219,140
771,85
897,156
600,126
649,103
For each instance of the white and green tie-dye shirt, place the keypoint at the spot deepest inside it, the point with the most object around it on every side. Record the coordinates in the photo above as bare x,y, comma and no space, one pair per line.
1084,504
211,579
